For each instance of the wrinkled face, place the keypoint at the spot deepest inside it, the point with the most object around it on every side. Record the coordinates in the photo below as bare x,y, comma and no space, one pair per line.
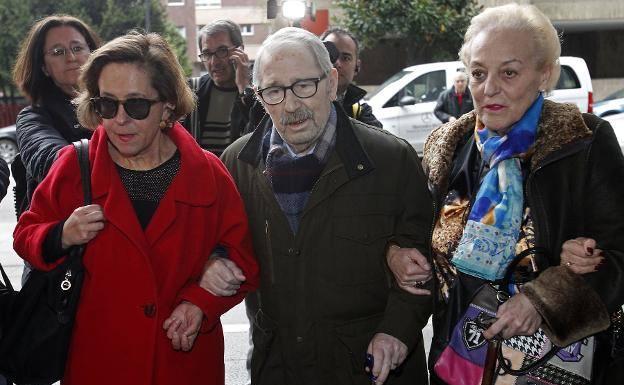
64,69
220,69
300,122
504,78
130,138
347,60
460,84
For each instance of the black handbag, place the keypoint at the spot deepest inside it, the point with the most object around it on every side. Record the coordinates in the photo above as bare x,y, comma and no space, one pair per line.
36,330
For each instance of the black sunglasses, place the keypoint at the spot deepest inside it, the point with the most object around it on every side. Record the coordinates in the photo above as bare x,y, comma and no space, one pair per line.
136,108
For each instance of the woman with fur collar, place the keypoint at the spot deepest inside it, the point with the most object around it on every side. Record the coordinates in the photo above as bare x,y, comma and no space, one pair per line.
524,173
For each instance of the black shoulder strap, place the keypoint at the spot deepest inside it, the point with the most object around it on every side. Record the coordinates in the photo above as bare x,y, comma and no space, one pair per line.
82,150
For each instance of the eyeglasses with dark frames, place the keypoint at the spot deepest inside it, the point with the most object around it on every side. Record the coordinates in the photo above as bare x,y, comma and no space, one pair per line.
75,49
136,108
304,88
221,53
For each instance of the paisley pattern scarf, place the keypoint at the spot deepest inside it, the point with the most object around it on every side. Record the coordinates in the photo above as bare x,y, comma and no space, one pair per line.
489,239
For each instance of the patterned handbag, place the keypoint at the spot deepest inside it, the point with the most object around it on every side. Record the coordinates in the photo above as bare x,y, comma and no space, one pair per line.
521,360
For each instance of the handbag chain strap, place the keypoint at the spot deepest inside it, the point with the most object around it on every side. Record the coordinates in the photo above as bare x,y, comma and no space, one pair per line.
503,363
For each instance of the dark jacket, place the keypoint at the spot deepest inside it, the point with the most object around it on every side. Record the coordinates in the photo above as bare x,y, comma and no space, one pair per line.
574,187
4,178
42,130
448,105
356,108
325,291
239,116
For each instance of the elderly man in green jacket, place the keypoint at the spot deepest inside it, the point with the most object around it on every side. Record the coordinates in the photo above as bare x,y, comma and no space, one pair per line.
326,197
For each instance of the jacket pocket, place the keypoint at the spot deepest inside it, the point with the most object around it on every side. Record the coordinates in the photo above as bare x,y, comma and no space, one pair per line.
353,339
263,337
358,248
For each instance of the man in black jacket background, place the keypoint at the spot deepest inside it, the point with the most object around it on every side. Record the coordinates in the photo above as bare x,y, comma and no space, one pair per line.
348,65
455,101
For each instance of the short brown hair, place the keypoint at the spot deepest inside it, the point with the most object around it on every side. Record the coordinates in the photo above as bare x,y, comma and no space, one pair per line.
149,51
28,73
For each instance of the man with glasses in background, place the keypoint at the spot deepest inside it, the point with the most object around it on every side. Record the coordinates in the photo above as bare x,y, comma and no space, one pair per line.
224,96
326,196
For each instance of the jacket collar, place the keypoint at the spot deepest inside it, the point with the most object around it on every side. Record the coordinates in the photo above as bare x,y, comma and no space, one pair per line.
348,146
353,95
109,190
59,104
192,168
560,125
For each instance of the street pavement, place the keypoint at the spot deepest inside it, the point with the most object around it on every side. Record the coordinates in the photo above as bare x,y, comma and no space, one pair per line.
235,324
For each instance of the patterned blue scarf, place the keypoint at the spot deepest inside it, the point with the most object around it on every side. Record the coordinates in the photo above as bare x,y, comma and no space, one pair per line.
488,243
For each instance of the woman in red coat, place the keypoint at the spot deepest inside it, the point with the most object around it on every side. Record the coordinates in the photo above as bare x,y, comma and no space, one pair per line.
161,205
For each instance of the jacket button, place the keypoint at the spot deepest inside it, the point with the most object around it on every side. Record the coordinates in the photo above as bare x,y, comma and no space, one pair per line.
360,167
149,310
299,339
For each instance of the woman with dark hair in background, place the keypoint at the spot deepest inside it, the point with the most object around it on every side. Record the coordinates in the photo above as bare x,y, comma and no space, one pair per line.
47,71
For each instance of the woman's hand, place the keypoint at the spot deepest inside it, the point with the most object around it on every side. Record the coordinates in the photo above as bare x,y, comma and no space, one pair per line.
82,226
183,325
581,255
516,317
410,268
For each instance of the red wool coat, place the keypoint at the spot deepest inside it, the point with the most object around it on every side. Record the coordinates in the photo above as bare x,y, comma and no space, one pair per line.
134,279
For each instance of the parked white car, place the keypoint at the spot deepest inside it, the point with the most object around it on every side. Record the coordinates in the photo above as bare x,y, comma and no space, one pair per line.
404,103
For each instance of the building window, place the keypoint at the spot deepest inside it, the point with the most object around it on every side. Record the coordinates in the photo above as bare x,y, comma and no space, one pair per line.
175,2
207,3
247,29
182,31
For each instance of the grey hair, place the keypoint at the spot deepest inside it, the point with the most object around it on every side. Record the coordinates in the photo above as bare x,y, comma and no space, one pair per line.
525,19
294,38
460,73
220,26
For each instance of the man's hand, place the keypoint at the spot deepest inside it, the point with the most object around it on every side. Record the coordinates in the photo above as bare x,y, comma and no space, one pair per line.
410,269
183,325
240,60
581,255
516,317
452,119
82,226
388,353
221,277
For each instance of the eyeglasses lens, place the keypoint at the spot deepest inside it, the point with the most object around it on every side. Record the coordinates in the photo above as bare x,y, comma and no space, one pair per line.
136,108
220,53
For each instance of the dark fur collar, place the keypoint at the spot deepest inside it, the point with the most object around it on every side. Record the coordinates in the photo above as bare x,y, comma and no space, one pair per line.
560,124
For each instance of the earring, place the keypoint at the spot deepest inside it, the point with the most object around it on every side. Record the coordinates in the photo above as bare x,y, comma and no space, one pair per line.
162,125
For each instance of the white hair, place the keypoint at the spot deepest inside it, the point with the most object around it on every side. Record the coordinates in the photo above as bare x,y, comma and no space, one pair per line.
293,38
524,19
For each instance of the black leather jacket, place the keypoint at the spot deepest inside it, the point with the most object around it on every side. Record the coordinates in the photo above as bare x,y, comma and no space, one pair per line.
42,130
